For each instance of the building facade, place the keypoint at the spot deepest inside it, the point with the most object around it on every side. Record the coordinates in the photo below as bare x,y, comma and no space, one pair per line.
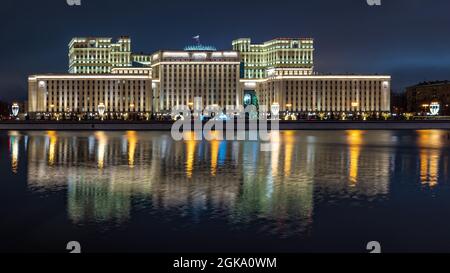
98,55
182,77
257,59
276,73
422,96
314,94
86,94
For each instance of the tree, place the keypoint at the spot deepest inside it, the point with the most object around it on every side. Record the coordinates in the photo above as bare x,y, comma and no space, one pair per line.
255,102
4,109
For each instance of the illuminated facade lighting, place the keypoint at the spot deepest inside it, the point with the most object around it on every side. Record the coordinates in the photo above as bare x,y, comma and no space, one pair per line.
61,94
277,53
98,55
337,93
280,70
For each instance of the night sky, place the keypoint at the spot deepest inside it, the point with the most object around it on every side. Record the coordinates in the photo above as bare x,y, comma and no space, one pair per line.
408,39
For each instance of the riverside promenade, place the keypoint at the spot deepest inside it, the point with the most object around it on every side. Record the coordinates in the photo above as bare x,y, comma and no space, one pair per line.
167,125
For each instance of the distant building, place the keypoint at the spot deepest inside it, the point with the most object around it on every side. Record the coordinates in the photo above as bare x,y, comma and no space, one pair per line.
422,96
277,53
98,55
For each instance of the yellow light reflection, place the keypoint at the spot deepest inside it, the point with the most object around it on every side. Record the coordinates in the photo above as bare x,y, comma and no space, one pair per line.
52,147
190,154
275,148
430,142
289,140
102,140
354,140
132,141
214,155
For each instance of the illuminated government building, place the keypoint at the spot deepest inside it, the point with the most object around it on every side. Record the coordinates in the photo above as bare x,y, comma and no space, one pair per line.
105,76
182,76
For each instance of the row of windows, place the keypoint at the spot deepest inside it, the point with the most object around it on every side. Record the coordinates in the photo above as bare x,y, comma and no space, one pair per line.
198,83
93,88
92,83
200,66
329,85
184,77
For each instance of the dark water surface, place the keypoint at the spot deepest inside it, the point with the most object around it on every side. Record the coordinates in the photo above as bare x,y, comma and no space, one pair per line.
312,191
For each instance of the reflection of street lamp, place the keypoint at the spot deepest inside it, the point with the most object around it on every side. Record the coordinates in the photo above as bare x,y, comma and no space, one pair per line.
15,109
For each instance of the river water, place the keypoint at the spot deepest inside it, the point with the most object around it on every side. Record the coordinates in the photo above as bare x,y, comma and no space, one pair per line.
311,191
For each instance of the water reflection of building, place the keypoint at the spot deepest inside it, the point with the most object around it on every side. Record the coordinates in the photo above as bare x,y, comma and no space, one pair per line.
99,181
351,163
103,172
273,189
106,172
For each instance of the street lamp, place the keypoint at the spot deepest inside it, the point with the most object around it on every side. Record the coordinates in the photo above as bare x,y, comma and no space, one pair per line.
101,108
15,109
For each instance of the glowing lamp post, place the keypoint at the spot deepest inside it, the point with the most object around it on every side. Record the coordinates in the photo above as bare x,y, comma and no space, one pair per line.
101,108
15,110
435,108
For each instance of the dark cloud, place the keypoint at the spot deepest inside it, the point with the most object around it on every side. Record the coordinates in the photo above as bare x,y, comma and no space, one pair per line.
406,38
